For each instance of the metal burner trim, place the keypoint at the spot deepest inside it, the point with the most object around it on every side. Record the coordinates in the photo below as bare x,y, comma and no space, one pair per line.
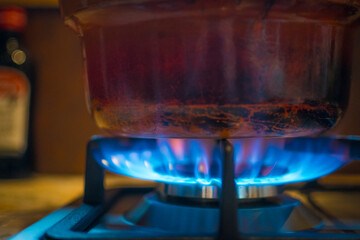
213,192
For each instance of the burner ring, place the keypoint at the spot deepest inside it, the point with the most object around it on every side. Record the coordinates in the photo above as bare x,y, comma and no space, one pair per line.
213,192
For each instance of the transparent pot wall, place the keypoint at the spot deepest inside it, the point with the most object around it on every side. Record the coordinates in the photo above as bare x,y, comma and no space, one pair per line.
215,69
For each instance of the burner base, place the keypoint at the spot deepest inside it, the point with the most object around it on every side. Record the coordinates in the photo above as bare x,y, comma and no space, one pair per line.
273,215
208,192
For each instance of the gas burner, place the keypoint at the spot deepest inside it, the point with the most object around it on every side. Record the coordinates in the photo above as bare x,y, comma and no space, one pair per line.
197,191
192,211
199,162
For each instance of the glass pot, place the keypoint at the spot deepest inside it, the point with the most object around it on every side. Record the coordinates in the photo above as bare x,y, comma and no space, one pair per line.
215,69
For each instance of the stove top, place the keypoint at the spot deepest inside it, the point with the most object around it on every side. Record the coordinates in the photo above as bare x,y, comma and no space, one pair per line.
193,211
337,206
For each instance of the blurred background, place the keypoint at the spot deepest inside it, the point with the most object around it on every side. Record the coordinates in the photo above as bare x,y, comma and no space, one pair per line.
62,125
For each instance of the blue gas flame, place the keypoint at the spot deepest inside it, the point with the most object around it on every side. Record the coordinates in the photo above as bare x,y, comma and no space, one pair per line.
256,161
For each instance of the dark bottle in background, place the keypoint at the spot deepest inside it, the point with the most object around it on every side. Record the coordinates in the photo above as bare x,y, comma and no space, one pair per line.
16,84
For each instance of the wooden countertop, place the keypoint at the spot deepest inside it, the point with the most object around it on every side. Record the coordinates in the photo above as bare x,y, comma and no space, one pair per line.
25,201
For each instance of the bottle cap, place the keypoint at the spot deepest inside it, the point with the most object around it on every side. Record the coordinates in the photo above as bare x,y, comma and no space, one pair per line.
13,18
